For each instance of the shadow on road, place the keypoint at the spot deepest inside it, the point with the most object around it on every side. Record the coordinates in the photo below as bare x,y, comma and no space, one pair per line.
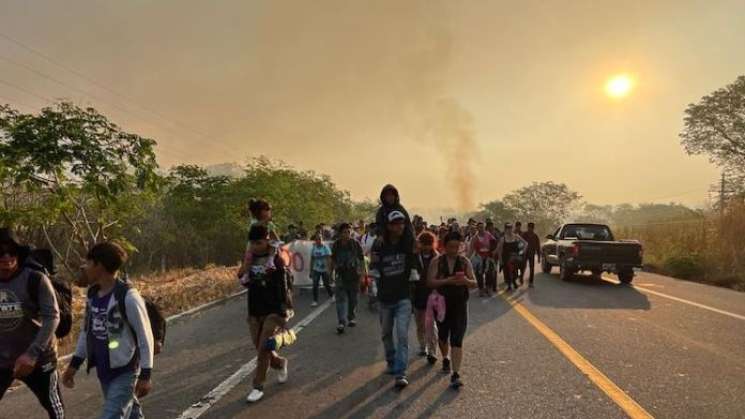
584,291
367,400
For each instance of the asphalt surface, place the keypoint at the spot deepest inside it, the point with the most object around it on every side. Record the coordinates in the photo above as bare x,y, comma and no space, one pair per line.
675,359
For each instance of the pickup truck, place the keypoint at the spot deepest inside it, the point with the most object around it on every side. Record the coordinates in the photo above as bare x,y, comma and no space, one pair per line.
590,247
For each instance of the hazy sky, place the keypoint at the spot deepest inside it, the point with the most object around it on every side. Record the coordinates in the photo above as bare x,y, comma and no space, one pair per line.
426,95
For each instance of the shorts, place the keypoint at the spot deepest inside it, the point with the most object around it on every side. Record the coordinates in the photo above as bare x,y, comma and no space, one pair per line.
453,326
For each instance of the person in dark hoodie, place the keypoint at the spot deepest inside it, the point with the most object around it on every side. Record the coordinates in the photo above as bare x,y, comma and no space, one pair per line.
390,201
27,324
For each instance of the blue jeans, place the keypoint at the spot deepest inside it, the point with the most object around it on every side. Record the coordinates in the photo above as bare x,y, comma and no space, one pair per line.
346,305
397,356
119,398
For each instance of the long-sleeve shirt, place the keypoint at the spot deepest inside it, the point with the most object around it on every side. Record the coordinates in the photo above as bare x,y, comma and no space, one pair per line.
534,243
134,339
27,326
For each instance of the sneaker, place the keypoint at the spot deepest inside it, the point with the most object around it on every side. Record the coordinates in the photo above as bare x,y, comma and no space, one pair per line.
401,382
314,304
455,381
352,323
282,374
431,359
422,352
446,366
255,395
340,329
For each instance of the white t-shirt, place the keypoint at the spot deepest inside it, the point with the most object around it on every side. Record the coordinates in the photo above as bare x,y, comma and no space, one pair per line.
366,241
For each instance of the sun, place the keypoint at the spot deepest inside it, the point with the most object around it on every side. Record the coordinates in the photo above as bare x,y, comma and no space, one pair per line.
619,86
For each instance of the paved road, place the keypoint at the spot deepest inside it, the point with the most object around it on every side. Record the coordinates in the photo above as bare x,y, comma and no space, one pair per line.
676,349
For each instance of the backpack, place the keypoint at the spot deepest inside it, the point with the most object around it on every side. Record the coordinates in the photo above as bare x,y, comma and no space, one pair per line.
41,262
158,323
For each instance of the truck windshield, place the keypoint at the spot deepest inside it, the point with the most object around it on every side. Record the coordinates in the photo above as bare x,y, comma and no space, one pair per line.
587,232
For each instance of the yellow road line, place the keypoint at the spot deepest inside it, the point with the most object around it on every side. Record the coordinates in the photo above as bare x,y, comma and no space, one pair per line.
631,407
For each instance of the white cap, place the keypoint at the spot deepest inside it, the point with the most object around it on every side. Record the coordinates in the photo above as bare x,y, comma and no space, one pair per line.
396,215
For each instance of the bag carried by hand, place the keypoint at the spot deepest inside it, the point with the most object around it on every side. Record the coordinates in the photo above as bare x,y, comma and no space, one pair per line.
282,339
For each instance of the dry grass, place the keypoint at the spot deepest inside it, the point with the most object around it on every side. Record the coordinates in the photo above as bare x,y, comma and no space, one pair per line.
709,250
174,291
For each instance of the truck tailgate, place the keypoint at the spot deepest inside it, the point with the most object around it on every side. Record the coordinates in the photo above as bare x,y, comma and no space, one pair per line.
609,252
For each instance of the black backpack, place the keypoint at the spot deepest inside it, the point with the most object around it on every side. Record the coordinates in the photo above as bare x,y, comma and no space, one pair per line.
41,262
158,323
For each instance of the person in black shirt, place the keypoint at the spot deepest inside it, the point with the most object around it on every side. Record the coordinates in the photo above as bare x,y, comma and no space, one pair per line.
391,263
269,307
452,275
510,255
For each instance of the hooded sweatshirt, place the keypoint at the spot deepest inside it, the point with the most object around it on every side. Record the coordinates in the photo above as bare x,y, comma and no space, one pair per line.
381,218
26,325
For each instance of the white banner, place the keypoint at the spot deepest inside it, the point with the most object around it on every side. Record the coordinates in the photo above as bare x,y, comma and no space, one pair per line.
300,260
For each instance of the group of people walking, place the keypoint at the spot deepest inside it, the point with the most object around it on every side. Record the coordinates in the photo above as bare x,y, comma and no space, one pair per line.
408,268
115,335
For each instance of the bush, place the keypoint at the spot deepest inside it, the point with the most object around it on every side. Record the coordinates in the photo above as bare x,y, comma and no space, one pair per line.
690,266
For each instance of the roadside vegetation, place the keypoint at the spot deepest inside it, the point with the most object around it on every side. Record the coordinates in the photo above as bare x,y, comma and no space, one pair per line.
69,177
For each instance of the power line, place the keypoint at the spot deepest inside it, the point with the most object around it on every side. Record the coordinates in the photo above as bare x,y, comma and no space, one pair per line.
97,84
89,96
10,101
171,152
24,90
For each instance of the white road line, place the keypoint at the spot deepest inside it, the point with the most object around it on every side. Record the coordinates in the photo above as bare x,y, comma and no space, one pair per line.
210,399
681,300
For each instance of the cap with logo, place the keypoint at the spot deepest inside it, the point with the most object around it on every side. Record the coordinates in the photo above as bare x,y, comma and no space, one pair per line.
396,216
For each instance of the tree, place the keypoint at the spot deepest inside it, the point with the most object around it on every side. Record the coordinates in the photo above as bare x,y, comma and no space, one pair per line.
547,204
72,165
716,126
497,211
591,213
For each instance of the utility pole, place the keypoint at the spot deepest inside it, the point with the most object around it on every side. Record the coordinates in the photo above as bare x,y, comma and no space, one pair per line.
722,192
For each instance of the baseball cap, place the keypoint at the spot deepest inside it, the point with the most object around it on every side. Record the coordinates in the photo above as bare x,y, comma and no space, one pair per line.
395,216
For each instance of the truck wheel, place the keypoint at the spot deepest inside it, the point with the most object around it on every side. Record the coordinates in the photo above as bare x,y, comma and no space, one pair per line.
626,276
545,266
565,274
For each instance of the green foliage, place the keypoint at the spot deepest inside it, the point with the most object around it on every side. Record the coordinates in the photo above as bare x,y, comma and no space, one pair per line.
70,177
715,126
203,218
547,204
685,266
497,211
